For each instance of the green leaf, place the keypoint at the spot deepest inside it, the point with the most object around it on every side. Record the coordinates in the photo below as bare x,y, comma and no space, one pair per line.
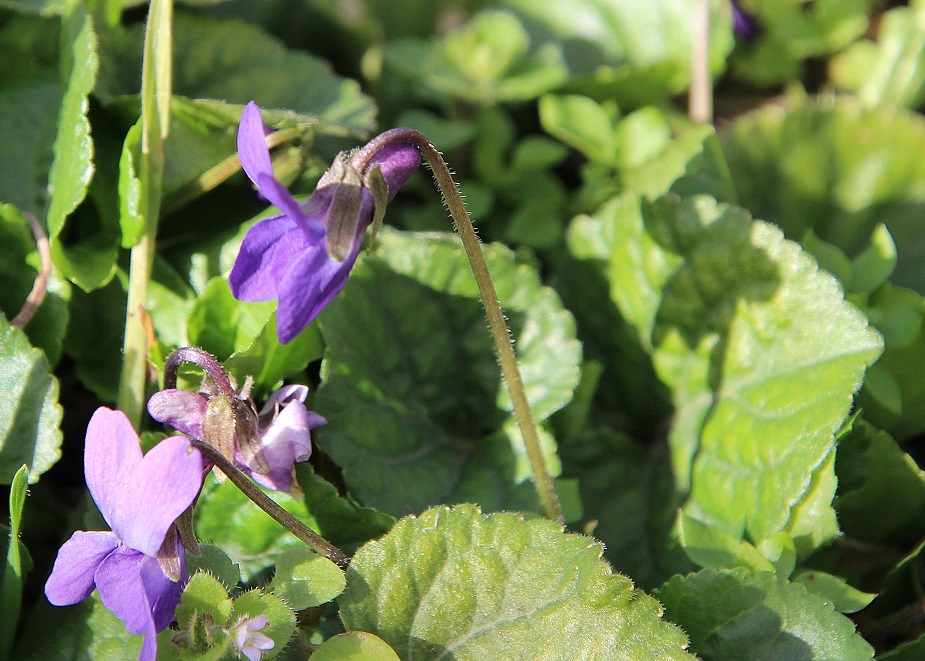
236,62
735,614
94,337
892,69
11,581
29,103
72,167
221,324
759,347
131,215
791,32
217,564
265,538
613,51
486,61
469,586
835,590
355,646
439,427
837,168
882,489
875,264
305,579
582,123
895,398
342,521
280,618
86,630
29,412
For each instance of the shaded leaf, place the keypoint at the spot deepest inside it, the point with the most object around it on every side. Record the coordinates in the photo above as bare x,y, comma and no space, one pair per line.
438,427
736,614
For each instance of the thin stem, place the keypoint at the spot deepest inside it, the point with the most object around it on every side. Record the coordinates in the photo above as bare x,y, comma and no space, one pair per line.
510,369
700,101
40,286
268,505
155,119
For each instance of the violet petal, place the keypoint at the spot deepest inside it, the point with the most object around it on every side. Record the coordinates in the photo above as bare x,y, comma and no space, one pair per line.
78,558
286,441
162,594
112,453
156,492
313,279
118,579
267,246
255,160
181,409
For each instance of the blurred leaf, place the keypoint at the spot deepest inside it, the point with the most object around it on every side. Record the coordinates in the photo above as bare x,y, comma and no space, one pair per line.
832,166
489,60
892,69
462,584
438,427
895,399
909,651
87,630
875,264
305,579
582,123
43,7
30,416
736,614
232,61
634,53
835,590
791,31
355,646
881,496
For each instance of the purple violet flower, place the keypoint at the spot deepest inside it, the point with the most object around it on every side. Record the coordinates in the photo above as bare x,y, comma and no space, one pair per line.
140,497
288,257
248,638
284,433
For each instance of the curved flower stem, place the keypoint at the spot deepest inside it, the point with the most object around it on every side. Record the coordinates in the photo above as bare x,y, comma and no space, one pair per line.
510,369
40,286
270,506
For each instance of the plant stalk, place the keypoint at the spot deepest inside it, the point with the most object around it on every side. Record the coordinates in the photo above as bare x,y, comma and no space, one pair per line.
271,507
510,369
155,121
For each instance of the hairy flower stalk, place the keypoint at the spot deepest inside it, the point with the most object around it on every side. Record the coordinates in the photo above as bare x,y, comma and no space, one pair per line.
140,567
303,256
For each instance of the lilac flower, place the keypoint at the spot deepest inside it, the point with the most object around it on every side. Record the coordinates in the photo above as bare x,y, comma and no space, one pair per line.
248,639
140,497
288,257
284,433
